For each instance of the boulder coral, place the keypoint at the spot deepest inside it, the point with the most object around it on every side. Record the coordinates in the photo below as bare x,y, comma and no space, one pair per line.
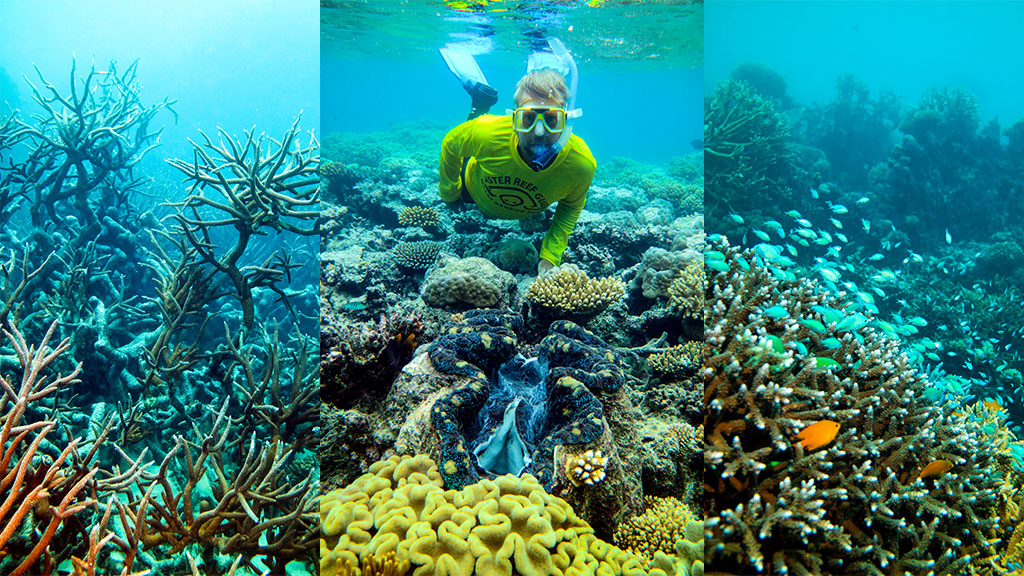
854,503
499,527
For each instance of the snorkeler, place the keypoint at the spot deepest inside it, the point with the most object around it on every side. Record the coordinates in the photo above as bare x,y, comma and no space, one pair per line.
515,166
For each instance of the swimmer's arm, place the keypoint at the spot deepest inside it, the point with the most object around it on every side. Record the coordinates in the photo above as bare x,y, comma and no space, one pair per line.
457,145
566,215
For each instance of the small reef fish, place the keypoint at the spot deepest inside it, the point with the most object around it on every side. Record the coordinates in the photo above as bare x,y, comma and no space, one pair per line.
866,224
776,312
935,468
839,209
736,218
992,404
863,200
717,265
836,223
818,434
949,239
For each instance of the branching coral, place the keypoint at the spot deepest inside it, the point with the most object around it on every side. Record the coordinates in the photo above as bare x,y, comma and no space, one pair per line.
569,290
678,359
686,293
259,183
422,216
416,255
856,505
252,509
658,529
83,140
745,153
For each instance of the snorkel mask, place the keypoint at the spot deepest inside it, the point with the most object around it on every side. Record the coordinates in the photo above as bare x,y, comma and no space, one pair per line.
554,120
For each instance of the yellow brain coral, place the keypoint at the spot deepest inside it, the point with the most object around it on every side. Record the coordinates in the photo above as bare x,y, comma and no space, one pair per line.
489,529
571,290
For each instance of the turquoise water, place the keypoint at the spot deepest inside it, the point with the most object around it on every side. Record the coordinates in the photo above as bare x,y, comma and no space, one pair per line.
174,291
867,158
640,68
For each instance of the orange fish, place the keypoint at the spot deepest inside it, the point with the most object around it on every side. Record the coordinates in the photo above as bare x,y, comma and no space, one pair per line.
935,468
818,434
992,404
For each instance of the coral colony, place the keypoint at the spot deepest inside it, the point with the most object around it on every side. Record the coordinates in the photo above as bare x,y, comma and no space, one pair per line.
157,412
509,424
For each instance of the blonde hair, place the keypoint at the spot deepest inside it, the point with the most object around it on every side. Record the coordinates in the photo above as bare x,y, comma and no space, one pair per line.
543,84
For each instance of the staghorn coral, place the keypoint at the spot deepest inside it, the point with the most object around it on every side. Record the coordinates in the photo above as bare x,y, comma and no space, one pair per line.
689,438
746,158
677,359
686,293
422,216
491,528
855,505
416,255
658,529
570,290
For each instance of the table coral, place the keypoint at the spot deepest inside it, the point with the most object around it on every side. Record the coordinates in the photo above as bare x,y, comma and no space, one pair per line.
495,527
855,505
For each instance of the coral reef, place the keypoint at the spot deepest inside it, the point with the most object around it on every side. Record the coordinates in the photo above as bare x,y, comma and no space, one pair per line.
460,284
187,418
678,359
460,290
746,156
568,291
663,524
856,504
493,527
422,216
686,293
416,255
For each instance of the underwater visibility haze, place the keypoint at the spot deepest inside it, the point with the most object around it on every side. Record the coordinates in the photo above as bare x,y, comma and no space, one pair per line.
864,395
511,316
159,191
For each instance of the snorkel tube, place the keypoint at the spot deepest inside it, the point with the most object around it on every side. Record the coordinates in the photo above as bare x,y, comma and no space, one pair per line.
565,66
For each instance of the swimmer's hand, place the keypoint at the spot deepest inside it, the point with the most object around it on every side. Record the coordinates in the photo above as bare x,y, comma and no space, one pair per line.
543,267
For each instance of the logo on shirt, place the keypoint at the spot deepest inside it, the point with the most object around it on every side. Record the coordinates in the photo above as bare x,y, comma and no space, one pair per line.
514,194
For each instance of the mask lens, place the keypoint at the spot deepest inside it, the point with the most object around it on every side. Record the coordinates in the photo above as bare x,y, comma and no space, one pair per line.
555,119
524,119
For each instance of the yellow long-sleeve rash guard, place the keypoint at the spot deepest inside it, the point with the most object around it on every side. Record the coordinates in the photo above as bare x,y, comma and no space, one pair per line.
505,187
